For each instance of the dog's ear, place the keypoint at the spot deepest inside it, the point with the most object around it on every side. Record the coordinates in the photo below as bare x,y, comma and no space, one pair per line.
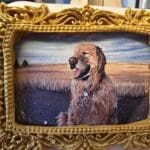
101,60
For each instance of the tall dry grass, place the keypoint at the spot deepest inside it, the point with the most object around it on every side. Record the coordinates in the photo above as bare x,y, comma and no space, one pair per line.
123,89
45,84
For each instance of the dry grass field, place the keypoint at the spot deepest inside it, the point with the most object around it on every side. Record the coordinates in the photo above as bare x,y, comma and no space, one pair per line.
118,72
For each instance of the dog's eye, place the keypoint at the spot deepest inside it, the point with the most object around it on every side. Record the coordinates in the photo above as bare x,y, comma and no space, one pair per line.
85,54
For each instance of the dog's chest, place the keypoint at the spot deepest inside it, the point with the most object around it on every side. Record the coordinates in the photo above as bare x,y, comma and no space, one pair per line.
83,101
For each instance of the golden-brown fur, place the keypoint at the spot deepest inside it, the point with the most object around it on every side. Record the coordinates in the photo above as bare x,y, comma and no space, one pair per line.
93,98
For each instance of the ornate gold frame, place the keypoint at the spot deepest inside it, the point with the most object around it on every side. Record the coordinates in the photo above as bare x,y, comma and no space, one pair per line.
86,19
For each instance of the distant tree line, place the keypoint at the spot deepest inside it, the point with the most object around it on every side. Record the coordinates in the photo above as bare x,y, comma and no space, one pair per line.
24,63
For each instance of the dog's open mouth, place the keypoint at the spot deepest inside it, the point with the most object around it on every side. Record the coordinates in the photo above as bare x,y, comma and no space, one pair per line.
79,74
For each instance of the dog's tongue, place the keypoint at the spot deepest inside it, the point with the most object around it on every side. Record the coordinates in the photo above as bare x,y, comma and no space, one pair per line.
76,73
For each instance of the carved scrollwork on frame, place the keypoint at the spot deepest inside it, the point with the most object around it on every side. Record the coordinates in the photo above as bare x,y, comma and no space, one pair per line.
72,16
9,140
71,19
98,141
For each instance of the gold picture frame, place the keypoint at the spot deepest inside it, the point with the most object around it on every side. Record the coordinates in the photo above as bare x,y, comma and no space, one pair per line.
85,19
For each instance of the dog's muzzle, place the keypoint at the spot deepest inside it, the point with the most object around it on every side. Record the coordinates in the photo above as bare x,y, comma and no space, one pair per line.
73,61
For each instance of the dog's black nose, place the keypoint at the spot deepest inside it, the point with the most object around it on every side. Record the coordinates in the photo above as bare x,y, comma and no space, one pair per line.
73,61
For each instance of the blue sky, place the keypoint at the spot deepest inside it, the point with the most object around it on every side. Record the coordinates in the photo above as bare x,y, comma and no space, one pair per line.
55,48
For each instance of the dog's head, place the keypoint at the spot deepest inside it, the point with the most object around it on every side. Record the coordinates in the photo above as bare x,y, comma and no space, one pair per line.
87,60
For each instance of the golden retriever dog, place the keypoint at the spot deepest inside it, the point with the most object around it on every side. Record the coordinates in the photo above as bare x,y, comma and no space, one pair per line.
93,97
